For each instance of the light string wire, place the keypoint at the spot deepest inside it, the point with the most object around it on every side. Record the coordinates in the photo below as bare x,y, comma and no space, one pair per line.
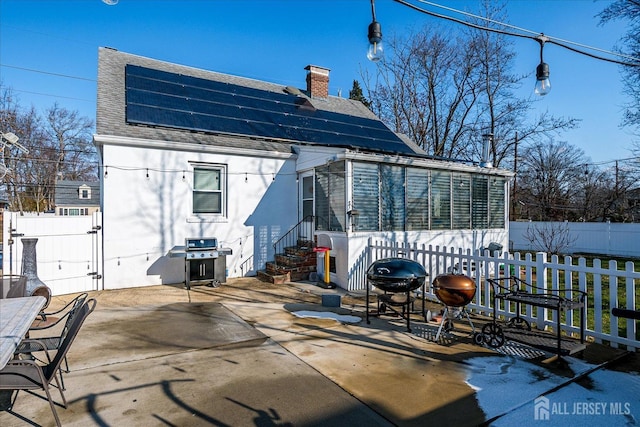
547,39
102,169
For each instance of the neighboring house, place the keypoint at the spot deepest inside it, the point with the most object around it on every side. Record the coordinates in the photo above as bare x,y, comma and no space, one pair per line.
192,153
77,198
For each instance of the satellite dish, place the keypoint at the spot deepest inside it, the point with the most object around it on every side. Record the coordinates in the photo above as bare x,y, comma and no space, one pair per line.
11,137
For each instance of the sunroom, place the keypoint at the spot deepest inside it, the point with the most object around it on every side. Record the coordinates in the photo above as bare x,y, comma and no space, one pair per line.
355,196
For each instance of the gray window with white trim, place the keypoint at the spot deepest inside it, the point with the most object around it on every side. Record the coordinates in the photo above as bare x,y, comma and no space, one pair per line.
209,190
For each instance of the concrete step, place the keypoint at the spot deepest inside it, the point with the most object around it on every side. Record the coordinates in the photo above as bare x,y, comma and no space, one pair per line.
277,279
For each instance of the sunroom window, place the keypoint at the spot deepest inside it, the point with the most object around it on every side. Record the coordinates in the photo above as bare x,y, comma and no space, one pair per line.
461,201
330,197
366,194
392,200
417,199
440,200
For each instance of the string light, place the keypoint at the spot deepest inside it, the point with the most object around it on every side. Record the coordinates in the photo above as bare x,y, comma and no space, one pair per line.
543,85
375,52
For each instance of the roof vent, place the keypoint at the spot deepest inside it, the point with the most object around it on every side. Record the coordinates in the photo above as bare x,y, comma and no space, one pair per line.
292,90
304,104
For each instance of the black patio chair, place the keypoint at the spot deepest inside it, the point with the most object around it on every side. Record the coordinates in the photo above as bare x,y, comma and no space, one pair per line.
29,374
53,342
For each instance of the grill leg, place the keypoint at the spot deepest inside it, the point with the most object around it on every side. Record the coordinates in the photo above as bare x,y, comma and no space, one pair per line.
442,322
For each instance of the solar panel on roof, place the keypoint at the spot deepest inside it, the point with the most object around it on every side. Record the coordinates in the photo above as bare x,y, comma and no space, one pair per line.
160,98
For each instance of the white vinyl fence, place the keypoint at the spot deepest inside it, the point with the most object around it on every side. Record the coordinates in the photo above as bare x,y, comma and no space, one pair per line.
607,286
68,251
605,238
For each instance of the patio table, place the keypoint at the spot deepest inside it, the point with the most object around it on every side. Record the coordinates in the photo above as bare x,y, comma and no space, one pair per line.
16,316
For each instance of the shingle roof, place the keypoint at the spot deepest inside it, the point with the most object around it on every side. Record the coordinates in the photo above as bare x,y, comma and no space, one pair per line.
67,193
134,91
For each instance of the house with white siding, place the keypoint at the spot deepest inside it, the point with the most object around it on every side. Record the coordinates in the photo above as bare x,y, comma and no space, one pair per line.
190,153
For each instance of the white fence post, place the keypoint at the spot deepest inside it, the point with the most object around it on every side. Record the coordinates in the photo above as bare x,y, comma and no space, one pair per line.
541,282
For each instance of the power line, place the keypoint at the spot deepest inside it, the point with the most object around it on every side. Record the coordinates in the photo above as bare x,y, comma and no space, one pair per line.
540,37
48,73
54,96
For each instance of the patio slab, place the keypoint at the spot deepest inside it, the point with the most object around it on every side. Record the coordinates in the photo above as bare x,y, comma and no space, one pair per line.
239,355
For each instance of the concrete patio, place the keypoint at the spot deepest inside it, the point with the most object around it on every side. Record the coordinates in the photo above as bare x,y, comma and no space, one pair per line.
241,355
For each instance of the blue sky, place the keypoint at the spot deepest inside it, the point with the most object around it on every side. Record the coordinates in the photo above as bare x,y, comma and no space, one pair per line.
48,49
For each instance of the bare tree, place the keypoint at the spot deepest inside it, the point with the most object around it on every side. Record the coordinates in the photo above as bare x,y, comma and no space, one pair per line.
550,237
71,134
425,90
628,10
446,86
551,179
58,147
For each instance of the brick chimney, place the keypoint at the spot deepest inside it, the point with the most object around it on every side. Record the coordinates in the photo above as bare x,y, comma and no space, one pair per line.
317,81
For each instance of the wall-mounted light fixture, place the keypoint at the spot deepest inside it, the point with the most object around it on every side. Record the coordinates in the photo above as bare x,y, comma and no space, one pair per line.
543,85
375,52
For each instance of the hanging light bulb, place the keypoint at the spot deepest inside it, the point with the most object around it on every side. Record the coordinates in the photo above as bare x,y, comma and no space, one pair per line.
375,51
543,85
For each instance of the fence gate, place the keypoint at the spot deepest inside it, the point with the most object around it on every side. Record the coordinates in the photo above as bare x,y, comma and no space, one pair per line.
68,251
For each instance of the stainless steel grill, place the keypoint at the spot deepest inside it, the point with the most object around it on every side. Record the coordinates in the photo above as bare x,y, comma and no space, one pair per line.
205,262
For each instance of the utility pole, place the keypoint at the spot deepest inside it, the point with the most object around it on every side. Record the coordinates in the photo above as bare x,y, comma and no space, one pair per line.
515,178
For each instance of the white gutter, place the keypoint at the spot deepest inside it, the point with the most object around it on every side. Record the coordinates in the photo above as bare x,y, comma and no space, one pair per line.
420,162
187,146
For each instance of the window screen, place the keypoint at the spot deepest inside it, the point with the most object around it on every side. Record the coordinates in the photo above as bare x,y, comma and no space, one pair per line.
330,197
440,200
497,202
461,193
479,208
417,199
366,196
392,197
